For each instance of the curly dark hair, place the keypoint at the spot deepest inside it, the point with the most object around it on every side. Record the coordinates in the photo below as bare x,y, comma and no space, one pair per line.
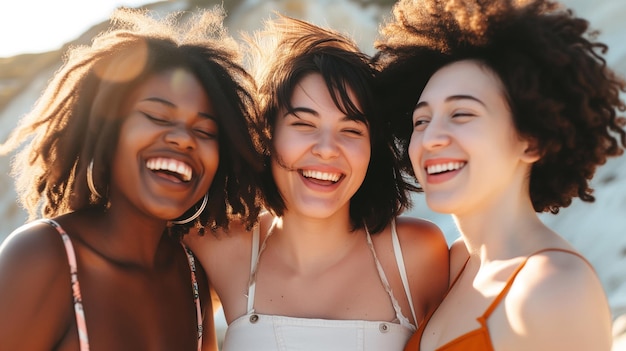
288,50
560,91
77,119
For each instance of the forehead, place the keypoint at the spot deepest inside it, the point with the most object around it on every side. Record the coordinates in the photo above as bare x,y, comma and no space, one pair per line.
466,77
175,81
177,85
314,92
314,86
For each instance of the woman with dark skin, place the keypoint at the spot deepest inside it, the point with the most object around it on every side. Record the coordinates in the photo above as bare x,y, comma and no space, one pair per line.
505,109
138,138
329,267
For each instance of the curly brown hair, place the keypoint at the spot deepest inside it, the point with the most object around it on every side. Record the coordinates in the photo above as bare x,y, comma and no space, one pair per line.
77,119
561,92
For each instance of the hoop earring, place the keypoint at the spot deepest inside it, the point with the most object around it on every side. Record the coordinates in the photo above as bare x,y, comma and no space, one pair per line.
90,184
195,215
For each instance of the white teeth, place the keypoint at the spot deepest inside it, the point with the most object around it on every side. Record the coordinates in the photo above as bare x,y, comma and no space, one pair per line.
444,167
171,165
333,177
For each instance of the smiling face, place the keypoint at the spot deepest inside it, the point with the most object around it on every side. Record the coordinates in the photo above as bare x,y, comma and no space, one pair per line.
167,152
464,149
321,155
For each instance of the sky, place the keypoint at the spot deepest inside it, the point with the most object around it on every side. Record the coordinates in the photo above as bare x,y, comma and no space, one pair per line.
33,26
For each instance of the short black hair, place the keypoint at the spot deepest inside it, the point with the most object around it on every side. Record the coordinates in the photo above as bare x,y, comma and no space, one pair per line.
298,49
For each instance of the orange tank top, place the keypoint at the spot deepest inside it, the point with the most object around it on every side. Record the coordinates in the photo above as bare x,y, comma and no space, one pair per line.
478,339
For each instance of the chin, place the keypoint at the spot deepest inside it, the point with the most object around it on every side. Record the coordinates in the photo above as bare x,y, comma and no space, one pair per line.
316,211
440,204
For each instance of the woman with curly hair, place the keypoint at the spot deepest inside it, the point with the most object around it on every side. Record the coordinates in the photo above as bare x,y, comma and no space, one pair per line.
138,138
504,109
329,266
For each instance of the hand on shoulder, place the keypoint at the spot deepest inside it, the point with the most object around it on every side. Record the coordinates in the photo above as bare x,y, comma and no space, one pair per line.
225,256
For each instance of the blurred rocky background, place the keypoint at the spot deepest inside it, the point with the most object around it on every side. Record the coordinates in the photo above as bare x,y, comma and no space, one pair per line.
598,230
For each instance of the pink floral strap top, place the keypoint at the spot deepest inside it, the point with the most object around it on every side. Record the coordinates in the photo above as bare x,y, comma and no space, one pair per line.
78,304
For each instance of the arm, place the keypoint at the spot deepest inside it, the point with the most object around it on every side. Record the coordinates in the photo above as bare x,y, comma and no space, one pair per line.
209,335
225,257
36,295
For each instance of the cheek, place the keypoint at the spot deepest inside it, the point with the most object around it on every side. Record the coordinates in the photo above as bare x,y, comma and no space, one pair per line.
288,147
129,142
415,151
361,155
210,160
280,176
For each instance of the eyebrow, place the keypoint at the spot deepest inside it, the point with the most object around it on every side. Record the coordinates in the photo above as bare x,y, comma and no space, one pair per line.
170,104
452,98
294,111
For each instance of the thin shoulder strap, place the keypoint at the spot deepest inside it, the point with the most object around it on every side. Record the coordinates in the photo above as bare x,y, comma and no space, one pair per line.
511,279
196,292
254,259
81,325
383,278
397,250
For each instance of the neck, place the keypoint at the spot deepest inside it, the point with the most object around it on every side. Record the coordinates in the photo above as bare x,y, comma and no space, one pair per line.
312,244
128,240
501,231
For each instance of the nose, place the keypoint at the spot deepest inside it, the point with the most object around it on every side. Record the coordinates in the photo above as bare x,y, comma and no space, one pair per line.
435,135
181,136
325,145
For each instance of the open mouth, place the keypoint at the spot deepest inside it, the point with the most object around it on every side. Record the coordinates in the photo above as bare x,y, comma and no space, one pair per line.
444,167
171,169
321,177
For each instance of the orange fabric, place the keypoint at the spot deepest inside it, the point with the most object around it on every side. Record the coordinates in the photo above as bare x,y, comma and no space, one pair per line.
478,339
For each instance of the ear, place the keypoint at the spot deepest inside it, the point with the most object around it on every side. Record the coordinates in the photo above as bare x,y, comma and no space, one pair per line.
531,152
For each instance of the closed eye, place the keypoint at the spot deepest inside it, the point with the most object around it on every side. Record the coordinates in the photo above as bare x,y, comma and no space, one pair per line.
157,120
205,134
356,132
354,128
300,123
463,114
294,120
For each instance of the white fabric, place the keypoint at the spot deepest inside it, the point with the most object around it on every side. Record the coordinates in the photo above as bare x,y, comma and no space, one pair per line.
259,332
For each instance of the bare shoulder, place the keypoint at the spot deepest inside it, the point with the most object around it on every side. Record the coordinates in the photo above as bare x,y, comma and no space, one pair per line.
426,257
36,290
458,257
558,298
413,230
423,243
459,249
36,246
